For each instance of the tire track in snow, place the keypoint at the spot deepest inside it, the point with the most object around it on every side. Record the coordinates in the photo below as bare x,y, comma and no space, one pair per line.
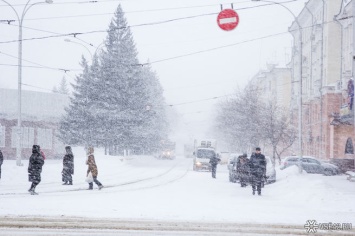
106,186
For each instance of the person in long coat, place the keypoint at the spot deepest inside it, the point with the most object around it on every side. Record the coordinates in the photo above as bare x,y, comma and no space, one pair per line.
214,161
35,168
243,169
257,169
68,167
92,167
1,161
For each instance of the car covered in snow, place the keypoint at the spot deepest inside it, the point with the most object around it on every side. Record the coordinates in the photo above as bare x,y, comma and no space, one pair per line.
270,171
232,168
311,165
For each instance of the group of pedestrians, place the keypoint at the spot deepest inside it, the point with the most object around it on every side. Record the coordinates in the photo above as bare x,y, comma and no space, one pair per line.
37,159
251,170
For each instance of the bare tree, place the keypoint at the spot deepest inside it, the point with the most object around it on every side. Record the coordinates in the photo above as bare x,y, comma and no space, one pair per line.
276,127
245,121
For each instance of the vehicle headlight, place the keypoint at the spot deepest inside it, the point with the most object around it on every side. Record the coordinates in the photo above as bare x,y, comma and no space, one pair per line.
198,163
168,153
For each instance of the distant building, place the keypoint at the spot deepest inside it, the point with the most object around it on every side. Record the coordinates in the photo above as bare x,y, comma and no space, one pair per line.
274,84
41,113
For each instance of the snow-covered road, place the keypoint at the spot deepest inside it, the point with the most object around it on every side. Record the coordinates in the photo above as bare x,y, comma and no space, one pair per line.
143,189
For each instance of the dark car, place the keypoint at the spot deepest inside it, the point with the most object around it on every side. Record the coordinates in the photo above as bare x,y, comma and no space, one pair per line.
311,165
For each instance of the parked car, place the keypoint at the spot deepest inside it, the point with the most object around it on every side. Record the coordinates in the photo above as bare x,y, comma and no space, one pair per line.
232,168
311,165
270,171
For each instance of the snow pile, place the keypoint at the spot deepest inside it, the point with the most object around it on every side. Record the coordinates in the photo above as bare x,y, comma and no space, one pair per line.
289,172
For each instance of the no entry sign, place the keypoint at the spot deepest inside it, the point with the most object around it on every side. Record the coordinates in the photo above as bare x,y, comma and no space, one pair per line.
227,19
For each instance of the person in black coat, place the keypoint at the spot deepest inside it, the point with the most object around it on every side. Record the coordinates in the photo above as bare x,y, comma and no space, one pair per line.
68,167
214,161
257,165
35,168
1,161
243,169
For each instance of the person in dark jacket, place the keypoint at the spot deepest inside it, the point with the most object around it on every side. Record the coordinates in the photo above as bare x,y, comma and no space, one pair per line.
214,161
94,172
1,161
257,166
35,168
68,167
243,169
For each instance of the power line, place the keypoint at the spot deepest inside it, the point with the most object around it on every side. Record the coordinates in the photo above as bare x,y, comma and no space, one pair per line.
201,51
42,88
38,65
138,25
202,100
149,10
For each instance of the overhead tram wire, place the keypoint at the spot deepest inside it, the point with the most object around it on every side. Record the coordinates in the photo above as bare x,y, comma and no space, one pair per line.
146,24
51,32
37,64
161,9
174,8
184,55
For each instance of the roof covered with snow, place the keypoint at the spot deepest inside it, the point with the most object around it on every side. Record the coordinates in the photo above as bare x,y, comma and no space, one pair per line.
35,105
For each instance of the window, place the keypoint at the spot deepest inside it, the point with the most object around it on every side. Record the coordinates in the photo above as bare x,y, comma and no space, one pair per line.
293,159
205,153
349,147
27,137
2,136
44,138
312,161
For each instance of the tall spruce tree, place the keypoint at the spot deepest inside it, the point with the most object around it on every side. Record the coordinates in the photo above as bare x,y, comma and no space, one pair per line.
76,127
125,98
156,126
109,107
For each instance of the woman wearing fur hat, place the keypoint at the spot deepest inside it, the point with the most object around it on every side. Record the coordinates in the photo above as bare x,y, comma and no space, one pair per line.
94,172
35,168
68,167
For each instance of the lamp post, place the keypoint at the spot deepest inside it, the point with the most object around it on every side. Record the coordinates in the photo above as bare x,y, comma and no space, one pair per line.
300,80
20,20
70,41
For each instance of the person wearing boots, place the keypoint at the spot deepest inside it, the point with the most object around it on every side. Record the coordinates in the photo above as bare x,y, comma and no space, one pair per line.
68,167
1,161
243,169
214,161
35,164
257,165
94,172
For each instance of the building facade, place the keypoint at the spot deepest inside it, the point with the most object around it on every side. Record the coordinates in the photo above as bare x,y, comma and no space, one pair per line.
41,113
274,84
322,65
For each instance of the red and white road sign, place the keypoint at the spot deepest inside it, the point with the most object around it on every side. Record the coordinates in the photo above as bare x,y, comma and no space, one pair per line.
227,19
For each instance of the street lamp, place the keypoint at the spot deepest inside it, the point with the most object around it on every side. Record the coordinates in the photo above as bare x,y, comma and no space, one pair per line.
20,20
300,80
70,41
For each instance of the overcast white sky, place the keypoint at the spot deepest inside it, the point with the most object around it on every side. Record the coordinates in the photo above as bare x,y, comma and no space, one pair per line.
195,77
